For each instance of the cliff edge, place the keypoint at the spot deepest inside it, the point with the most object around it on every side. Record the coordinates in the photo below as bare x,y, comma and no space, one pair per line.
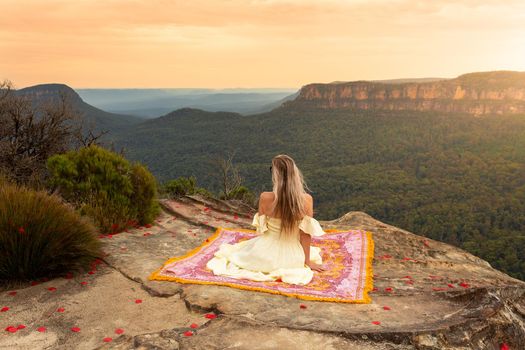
498,92
428,295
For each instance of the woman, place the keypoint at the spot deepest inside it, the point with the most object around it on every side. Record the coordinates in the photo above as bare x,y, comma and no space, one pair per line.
284,221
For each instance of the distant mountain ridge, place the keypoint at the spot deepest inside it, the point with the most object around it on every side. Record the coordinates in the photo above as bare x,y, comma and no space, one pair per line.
151,103
100,119
497,92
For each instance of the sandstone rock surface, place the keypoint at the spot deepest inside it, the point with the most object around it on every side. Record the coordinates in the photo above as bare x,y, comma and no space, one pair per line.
439,297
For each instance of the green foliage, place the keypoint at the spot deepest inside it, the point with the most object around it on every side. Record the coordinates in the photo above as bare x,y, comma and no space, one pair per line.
185,186
452,177
41,236
244,194
181,186
105,186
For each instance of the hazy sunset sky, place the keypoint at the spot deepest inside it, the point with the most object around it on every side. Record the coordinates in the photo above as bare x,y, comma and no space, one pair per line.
236,43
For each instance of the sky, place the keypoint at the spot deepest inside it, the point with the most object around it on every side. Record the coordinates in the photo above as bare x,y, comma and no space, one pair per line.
254,43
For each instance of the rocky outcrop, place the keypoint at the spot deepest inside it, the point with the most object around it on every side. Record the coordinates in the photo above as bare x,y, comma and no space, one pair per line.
500,92
427,295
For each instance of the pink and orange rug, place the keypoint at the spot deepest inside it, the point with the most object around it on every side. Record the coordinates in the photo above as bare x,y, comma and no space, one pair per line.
347,255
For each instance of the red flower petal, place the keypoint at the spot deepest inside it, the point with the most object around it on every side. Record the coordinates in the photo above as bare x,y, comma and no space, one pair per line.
41,329
12,293
61,309
376,322
107,340
147,225
194,325
386,308
21,326
75,329
450,285
21,230
504,346
69,276
84,283
278,280
119,331
235,217
425,242
4,309
35,283
51,289
188,333
138,301
388,289
464,285
210,316
302,306
91,272
11,329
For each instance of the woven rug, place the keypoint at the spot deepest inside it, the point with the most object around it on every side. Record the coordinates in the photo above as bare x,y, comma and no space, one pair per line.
347,255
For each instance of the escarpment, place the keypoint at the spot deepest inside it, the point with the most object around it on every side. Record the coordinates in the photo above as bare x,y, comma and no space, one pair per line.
499,92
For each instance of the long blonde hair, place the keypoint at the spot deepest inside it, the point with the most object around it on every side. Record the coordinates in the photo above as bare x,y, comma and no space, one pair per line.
288,189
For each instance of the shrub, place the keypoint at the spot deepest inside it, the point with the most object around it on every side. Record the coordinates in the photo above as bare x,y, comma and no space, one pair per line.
40,235
105,186
185,186
242,193
181,186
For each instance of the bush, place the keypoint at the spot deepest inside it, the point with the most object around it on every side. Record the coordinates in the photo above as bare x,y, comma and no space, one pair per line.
181,186
41,236
185,186
105,186
242,193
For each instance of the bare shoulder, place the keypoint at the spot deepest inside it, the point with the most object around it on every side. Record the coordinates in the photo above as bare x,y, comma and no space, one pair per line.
266,196
309,197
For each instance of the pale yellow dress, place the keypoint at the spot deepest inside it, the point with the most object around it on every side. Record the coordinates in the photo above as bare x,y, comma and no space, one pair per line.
269,257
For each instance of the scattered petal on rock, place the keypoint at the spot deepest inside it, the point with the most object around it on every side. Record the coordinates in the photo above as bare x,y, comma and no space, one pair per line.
138,301
188,333
61,309
107,340
4,309
11,329
12,293
75,329
51,289
376,322
84,283
386,308
210,316
302,306
389,289
41,329
21,326
194,325
450,285
119,331
504,346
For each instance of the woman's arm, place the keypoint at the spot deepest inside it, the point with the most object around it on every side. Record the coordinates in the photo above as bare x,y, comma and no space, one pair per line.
305,238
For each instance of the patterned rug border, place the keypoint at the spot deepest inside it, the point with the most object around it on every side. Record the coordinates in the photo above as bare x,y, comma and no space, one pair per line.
368,278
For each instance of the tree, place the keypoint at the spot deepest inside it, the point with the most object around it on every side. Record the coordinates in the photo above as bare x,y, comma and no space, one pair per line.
229,177
31,132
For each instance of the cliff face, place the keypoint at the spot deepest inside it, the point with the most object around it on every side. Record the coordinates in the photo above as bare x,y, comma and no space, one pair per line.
501,92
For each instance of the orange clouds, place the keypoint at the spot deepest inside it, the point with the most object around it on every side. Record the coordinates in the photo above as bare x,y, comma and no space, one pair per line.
242,43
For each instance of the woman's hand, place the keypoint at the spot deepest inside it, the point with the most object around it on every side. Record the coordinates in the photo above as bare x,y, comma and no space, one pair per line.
315,267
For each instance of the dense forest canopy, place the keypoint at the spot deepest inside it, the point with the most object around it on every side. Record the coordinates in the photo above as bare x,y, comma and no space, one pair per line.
451,177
